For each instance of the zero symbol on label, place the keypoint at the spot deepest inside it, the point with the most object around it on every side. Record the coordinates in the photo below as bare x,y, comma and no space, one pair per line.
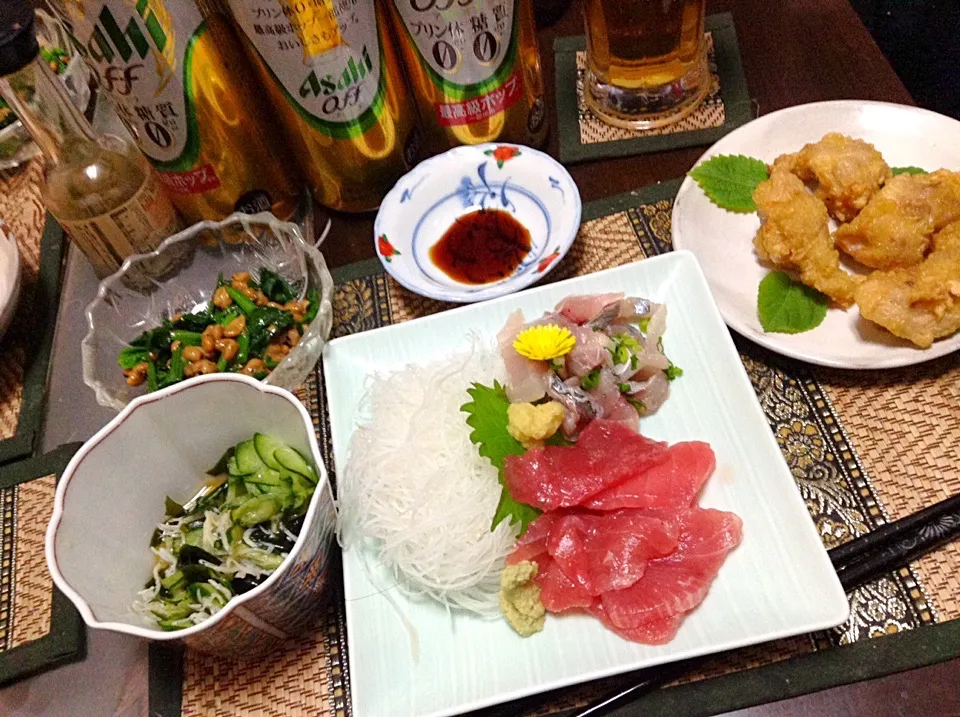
485,46
445,54
159,134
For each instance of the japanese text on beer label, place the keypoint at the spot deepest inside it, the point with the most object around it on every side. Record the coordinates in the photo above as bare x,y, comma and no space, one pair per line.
463,41
481,108
201,179
325,54
141,57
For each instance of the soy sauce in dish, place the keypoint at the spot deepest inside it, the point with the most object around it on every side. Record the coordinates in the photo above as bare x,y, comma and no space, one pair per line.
481,247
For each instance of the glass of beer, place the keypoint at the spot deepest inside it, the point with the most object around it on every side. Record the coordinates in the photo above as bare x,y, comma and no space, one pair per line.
646,60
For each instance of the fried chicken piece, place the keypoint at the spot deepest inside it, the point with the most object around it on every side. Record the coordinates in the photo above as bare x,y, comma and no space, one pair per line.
895,227
846,172
919,303
795,234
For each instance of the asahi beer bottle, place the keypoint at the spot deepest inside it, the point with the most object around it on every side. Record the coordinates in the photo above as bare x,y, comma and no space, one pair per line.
474,68
336,82
180,80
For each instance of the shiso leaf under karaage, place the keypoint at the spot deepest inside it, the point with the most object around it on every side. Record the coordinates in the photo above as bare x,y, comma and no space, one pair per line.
845,172
795,234
895,228
919,303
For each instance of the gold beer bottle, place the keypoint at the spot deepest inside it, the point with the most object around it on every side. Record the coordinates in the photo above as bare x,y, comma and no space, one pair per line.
335,80
475,70
179,78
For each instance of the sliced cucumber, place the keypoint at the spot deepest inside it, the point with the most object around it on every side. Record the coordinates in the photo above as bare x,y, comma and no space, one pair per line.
266,447
293,461
232,466
247,459
264,476
255,510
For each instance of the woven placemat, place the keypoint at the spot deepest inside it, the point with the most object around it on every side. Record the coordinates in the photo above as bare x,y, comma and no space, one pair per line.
583,136
864,448
25,349
39,628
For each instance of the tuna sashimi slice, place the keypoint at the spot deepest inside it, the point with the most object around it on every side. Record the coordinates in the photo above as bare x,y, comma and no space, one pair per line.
583,307
674,483
610,551
664,591
558,476
677,584
533,542
655,632
558,592
706,536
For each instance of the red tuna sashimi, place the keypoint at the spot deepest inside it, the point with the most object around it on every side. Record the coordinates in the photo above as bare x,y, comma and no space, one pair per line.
533,542
609,551
678,583
581,308
558,476
706,536
656,632
674,483
558,592
526,379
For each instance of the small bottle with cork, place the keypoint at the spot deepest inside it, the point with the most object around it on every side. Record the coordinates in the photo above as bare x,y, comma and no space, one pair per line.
99,187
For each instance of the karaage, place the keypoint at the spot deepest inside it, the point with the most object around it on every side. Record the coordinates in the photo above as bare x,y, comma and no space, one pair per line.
895,227
919,303
795,234
846,172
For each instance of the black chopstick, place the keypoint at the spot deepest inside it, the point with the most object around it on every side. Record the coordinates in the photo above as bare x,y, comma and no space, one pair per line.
899,543
859,548
857,562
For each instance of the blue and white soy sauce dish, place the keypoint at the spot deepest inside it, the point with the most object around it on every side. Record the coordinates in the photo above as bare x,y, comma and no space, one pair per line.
447,195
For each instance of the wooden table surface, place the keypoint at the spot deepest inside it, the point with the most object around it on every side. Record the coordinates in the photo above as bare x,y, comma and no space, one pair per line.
794,52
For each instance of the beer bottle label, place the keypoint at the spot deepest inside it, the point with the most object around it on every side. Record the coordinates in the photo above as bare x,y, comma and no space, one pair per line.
135,227
143,56
469,49
325,56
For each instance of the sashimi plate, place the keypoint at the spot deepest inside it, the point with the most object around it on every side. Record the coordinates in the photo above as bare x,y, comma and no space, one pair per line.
409,656
723,241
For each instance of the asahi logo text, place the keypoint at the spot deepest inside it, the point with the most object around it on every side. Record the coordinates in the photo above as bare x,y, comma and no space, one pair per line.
341,90
116,49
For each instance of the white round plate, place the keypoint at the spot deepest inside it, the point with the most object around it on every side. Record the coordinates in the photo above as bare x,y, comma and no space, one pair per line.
414,215
9,277
723,241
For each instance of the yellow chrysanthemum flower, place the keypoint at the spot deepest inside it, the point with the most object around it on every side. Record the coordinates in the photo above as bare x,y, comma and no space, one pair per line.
542,343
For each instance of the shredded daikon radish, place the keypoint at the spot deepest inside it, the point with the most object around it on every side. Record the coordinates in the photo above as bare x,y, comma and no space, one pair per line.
417,490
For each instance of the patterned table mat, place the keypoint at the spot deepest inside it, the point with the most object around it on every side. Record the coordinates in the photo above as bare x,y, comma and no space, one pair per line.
39,628
25,349
584,136
864,448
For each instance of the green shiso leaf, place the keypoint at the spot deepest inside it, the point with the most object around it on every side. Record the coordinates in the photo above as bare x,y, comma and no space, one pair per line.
487,416
729,181
907,170
787,306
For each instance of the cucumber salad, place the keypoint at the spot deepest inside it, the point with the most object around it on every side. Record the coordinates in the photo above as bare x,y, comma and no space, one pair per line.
229,537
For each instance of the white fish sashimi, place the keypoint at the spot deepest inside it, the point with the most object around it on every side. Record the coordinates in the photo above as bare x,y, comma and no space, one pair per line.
581,308
591,350
526,379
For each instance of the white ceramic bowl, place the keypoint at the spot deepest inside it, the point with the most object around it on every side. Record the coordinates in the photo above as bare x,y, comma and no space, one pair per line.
111,498
425,202
9,277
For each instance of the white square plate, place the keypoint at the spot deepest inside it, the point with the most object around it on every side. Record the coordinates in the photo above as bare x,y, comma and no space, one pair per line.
778,583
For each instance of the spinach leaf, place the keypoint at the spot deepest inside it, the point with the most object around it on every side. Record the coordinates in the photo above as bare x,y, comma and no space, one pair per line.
263,323
275,287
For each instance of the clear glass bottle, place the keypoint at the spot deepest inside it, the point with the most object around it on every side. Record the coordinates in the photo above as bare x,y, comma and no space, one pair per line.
99,187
